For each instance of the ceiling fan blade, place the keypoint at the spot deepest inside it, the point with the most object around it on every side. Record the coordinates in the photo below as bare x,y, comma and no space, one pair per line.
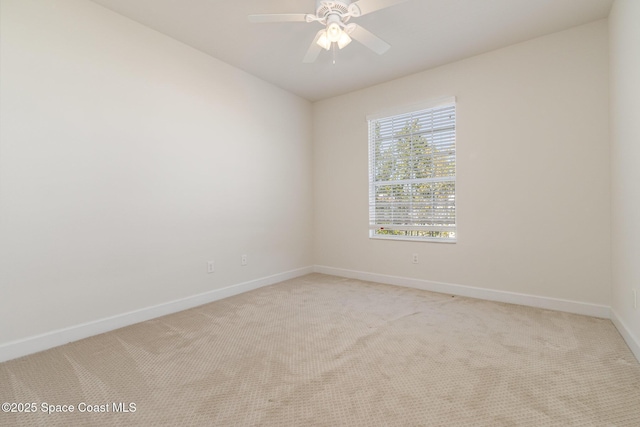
367,38
278,17
368,6
314,49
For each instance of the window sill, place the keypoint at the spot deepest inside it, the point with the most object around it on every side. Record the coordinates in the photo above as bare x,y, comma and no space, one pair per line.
414,239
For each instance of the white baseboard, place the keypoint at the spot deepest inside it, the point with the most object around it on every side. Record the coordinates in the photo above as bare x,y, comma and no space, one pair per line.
35,344
632,342
575,307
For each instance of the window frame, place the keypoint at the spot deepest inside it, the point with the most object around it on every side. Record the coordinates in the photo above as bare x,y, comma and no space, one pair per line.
391,114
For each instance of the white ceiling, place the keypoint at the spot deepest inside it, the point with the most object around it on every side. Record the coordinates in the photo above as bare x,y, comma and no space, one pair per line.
423,34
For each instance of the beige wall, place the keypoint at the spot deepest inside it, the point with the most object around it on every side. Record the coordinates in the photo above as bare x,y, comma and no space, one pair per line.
532,174
127,161
625,162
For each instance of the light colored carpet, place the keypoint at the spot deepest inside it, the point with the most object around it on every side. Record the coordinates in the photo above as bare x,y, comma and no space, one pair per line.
328,351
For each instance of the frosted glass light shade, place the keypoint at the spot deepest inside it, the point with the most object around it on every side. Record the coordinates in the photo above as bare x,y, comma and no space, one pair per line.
324,41
343,40
334,32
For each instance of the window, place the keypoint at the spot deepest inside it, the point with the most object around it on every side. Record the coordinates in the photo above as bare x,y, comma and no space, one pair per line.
412,174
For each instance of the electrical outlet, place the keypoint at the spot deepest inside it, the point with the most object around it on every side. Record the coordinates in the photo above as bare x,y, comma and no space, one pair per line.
414,258
210,267
243,259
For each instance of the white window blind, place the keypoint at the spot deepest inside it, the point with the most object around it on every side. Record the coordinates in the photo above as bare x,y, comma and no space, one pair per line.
412,175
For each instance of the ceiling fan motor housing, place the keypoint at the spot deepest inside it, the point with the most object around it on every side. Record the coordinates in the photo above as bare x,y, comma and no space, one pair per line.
344,9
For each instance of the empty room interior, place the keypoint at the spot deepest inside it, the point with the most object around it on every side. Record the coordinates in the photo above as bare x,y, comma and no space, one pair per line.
299,212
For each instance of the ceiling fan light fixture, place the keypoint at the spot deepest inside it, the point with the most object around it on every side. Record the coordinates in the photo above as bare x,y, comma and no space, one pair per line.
324,41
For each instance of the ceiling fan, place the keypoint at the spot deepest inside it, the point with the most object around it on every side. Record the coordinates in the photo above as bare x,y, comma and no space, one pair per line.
334,16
